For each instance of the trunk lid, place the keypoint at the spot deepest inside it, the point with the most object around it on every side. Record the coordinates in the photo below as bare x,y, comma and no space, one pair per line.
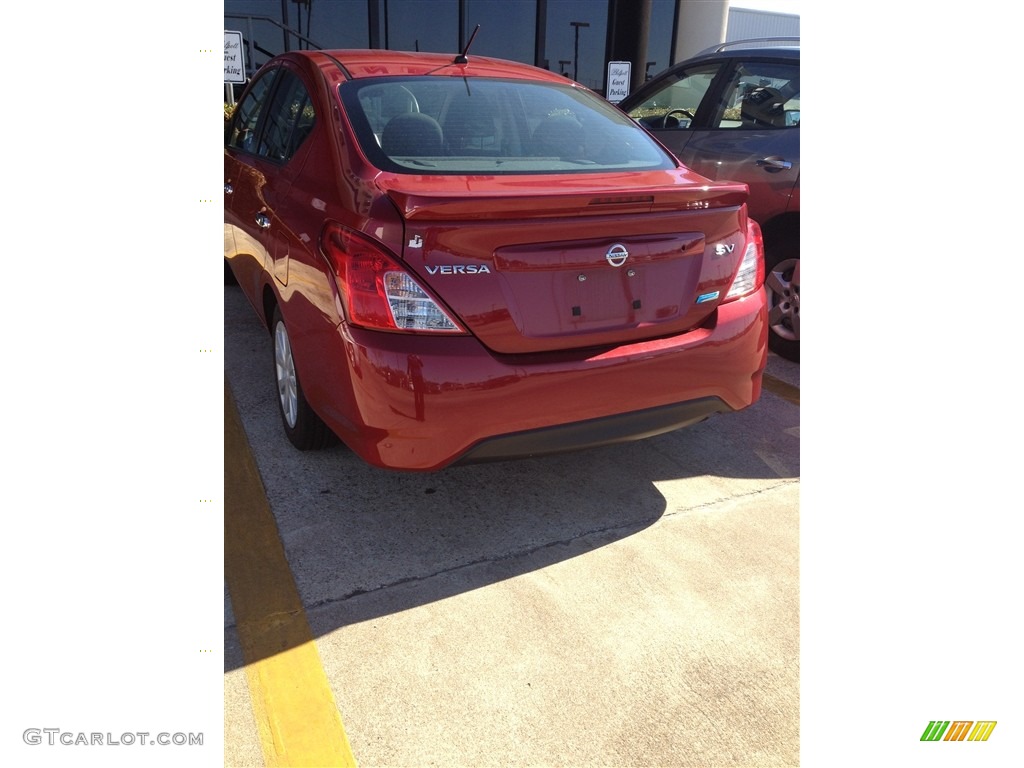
591,264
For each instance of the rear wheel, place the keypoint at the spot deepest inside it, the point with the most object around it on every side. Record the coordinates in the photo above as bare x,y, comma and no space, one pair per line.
304,428
783,286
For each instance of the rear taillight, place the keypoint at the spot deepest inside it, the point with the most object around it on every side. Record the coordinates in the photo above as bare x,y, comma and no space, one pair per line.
377,291
750,275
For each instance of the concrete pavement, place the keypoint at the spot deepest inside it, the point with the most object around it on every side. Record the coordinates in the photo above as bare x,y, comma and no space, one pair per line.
632,605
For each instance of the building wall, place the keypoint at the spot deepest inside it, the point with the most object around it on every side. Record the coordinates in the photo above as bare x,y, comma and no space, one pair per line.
745,24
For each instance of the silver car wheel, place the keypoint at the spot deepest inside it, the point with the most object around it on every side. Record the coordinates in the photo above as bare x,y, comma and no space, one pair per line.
783,286
284,366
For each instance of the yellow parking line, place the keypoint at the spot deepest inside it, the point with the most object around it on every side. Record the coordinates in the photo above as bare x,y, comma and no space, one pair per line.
295,711
781,388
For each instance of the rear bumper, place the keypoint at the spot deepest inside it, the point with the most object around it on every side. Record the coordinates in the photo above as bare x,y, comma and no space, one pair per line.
620,428
422,403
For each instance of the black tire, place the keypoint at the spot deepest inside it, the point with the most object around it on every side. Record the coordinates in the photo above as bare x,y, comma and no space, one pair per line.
782,281
303,427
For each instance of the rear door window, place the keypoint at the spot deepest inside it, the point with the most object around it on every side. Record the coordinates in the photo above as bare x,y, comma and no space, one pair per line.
288,121
760,95
242,131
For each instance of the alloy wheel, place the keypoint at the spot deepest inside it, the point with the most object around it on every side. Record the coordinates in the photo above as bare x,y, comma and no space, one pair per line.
783,285
284,366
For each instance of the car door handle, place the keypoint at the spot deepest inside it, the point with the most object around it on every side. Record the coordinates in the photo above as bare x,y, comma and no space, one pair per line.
771,164
263,220
228,189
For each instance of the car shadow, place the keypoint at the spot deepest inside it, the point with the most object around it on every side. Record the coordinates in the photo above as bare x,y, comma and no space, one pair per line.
363,542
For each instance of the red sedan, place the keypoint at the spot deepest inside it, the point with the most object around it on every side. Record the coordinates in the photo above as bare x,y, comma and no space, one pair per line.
468,259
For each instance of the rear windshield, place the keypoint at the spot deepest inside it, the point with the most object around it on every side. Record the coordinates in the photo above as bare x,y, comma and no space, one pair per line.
446,125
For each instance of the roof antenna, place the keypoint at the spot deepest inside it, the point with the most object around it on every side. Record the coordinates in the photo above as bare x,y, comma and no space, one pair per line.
462,58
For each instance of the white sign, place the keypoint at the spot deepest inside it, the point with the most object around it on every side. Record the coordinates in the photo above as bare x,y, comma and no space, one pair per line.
234,58
618,80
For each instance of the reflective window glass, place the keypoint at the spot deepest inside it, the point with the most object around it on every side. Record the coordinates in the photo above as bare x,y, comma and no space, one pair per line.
289,119
242,133
675,105
760,95
437,125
